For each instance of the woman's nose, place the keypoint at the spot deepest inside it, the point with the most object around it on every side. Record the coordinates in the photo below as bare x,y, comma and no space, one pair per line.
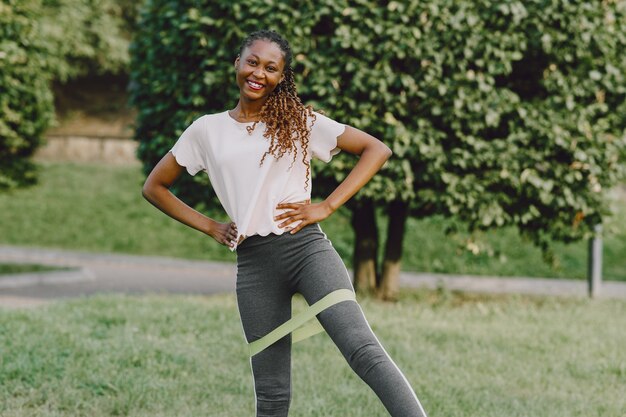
258,72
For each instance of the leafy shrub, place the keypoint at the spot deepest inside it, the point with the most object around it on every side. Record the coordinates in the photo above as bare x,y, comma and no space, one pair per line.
26,106
43,41
499,113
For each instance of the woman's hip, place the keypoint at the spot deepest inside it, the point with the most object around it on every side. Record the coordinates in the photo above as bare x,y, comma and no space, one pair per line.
278,259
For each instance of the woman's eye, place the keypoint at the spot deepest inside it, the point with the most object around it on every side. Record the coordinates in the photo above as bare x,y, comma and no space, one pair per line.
271,69
251,62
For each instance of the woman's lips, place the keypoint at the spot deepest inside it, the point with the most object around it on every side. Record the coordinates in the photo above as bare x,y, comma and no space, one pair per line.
253,85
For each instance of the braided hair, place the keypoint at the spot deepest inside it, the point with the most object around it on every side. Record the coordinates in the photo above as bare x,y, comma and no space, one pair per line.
283,113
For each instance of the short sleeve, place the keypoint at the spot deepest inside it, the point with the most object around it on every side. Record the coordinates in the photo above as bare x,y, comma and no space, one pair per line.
323,141
189,149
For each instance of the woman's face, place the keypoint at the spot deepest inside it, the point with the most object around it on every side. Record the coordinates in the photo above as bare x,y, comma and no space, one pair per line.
259,69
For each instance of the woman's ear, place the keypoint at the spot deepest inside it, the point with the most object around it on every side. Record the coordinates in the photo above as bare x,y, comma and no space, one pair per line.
237,61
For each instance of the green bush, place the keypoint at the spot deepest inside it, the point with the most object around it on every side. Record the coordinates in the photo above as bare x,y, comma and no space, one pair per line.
499,113
526,100
26,106
86,37
41,41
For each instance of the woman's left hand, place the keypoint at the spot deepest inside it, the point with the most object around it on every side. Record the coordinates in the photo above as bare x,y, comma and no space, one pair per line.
306,212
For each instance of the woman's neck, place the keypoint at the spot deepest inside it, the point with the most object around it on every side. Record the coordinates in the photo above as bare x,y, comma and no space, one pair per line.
246,111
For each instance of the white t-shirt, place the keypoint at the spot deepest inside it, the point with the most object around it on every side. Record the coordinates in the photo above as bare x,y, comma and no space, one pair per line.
222,147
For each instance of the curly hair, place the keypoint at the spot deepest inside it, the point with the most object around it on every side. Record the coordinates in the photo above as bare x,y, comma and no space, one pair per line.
283,113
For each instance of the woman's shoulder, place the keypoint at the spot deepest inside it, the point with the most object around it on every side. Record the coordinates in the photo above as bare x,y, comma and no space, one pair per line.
211,117
203,124
318,113
322,119
319,117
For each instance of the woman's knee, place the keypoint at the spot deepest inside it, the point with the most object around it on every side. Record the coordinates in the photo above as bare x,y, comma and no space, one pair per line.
272,378
272,392
273,397
365,358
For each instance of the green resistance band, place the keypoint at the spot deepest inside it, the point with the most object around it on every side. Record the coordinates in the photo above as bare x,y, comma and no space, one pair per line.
302,325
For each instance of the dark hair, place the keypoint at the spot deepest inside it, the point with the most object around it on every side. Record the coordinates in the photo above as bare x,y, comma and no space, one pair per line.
285,117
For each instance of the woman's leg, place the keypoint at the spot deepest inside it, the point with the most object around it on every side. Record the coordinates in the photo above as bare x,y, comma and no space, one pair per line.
321,272
264,302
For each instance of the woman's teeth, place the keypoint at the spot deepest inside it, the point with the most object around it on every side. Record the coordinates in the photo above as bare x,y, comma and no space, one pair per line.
255,86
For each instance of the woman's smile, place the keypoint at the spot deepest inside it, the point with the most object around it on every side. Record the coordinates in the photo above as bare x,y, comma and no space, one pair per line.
259,70
254,85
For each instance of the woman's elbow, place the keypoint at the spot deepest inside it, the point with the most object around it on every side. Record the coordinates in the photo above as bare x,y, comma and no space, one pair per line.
147,191
385,151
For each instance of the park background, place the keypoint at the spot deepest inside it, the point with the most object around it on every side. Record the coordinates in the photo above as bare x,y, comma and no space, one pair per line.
450,121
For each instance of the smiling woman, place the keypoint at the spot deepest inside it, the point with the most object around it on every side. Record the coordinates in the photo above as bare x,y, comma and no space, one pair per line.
266,198
264,74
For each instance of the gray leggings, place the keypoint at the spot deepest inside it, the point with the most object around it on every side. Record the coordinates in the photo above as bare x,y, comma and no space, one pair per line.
270,269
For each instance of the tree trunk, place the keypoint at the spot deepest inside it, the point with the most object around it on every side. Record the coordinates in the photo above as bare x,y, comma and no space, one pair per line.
390,282
365,246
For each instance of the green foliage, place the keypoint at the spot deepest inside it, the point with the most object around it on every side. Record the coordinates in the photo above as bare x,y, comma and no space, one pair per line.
86,36
500,114
26,106
524,104
42,41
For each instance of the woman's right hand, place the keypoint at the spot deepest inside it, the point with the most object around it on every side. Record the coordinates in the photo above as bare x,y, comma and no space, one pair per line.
224,233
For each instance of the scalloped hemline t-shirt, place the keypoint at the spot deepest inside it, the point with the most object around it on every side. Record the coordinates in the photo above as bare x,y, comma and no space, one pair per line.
222,147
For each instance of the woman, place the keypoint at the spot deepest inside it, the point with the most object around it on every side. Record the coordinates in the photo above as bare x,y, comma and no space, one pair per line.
257,156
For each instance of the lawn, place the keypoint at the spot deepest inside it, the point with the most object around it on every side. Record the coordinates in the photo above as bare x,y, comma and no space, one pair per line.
178,356
23,268
96,207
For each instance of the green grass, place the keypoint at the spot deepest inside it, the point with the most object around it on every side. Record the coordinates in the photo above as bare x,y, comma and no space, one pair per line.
6,269
100,208
176,356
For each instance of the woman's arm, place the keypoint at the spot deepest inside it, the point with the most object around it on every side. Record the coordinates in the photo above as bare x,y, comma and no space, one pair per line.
156,191
373,154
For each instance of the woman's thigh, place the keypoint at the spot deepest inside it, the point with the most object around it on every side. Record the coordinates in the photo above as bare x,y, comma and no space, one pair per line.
321,273
263,293
264,303
317,269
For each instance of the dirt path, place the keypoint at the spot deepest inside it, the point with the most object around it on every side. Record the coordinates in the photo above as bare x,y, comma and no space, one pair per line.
95,273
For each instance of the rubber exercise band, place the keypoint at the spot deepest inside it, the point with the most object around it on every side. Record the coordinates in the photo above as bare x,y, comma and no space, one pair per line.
304,324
